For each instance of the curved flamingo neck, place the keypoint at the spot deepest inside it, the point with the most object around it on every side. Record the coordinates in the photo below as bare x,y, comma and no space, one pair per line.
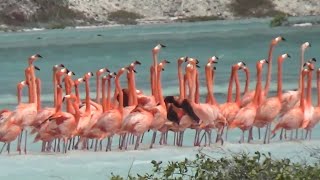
279,88
59,100
19,93
130,95
77,115
236,78
208,83
309,89
108,106
181,82
267,86
133,89
27,76
87,95
54,81
197,93
161,99
301,67
151,80
155,67
118,87
104,100
33,82
318,87
258,86
213,99
302,91
246,89
98,88
67,80
38,83
76,89
230,87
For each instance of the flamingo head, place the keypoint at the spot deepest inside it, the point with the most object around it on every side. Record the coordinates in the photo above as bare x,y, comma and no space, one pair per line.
21,84
78,81
192,60
283,57
182,60
213,59
305,45
239,65
70,73
57,66
309,63
157,48
261,62
102,70
69,96
87,75
278,39
34,58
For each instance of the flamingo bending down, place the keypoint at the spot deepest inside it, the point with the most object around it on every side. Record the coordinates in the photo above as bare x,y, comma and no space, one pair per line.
269,109
246,115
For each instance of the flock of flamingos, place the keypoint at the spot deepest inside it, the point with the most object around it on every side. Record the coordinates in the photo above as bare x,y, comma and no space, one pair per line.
129,113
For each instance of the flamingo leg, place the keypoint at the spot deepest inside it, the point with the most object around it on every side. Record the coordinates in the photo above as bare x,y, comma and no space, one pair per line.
3,147
174,138
259,134
141,138
19,141
250,136
153,138
291,135
8,148
110,143
25,142
266,134
297,132
137,142
281,135
226,133
310,131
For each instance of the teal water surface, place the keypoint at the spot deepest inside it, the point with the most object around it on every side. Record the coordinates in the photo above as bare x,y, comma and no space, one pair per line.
82,50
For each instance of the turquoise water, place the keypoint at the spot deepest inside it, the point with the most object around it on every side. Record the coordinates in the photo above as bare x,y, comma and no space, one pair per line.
81,50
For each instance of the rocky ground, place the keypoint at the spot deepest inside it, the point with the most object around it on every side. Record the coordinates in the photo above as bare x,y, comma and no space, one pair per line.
61,13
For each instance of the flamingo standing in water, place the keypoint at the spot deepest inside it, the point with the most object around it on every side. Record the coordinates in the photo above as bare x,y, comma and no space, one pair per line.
295,118
246,115
160,117
316,113
230,109
109,121
270,108
8,135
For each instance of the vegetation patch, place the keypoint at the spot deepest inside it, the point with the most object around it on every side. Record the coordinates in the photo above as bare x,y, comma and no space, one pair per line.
124,17
238,166
199,18
279,20
256,8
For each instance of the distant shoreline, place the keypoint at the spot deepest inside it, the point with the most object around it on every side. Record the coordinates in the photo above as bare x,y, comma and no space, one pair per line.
301,23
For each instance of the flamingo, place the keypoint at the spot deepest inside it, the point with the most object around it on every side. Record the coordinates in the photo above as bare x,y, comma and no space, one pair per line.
30,77
248,97
295,117
269,109
109,121
316,113
155,52
160,117
246,115
230,109
86,116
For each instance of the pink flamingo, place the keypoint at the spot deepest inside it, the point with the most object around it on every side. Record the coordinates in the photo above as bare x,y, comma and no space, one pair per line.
269,109
295,118
246,115
316,113
160,117
247,98
230,109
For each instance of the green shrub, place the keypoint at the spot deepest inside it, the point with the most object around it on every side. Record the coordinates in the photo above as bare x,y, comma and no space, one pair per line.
250,8
198,18
239,166
124,17
278,20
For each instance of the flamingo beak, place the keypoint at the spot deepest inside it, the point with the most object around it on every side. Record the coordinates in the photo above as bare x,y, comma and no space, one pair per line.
314,59
283,39
38,55
61,65
137,62
288,56
107,70
197,66
163,45
37,68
